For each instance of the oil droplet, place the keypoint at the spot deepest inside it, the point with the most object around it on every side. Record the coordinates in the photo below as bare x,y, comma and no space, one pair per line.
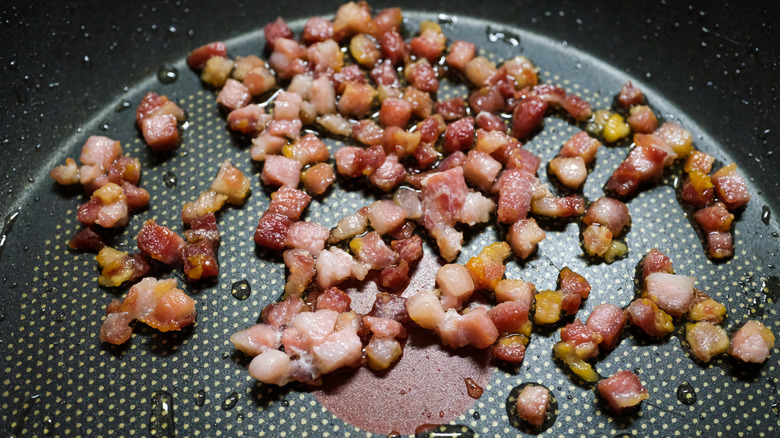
240,417
766,214
763,135
2,317
476,415
447,20
123,104
775,408
161,419
167,74
225,355
86,62
48,426
169,179
241,290
200,398
10,220
285,403
475,391
230,402
104,125
503,36
676,182
686,394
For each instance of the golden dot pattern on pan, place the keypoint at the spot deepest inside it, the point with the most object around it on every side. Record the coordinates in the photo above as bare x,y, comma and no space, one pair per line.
59,379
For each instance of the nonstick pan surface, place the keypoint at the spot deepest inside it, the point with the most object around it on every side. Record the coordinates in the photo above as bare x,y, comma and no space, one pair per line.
58,379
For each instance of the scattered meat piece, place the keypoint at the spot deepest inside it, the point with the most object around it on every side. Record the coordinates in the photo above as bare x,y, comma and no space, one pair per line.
672,293
490,122
461,52
281,171
456,285
706,340
160,132
452,109
234,95
698,189
266,144
334,299
656,261
425,309
642,119
582,338
430,44
203,227
300,264
232,183
731,187
160,243
459,135
66,174
199,261
476,209
524,236
608,212
706,309
699,161
316,30
259,80
644,314
356,99
421,76
245,64
307,235
622,391
753,342
353,162
528,116
372,251
216,71
287,58
207,202
580,145
532,404
571,282
87,240
571,172
388,175
514,199
153,104
364,50
107,207
609,321
481,169
455,159
118,267
443,196
486,99
382,352
272,230
680,140
333,266
643,165
158,303
256,339
630,95
385,216
289,202
545,204
281,314
275,30
368,132
568,354
198,57
488,267
318,178
511,317
472,328
548,306
479,70
510,348
307,150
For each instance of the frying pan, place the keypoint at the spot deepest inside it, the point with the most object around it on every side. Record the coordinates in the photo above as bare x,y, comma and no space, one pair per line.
70,71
